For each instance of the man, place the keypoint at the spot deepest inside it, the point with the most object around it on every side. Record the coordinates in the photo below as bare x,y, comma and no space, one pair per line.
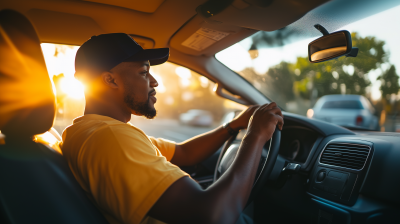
133,178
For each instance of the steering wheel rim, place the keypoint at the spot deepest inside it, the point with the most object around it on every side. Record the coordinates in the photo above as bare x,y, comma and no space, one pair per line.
267,165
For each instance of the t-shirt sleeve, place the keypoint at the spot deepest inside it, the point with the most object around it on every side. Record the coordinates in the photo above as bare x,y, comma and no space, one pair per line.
166,147
125,174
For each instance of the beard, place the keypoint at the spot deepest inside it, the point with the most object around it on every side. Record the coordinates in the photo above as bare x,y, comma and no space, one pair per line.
140,108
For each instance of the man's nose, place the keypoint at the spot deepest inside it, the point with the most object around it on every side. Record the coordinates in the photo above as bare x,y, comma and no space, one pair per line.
153,81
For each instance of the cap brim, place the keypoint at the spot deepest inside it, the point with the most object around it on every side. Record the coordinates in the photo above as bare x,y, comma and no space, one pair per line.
155,56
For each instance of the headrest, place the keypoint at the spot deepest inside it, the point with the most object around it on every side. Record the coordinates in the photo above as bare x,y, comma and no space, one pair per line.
27,101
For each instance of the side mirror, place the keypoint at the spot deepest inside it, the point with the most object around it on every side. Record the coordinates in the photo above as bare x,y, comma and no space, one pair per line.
331,46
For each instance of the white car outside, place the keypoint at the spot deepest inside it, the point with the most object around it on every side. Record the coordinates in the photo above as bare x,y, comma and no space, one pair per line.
346,110
197,117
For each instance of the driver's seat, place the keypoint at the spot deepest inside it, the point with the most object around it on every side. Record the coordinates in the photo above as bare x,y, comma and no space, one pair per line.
36,185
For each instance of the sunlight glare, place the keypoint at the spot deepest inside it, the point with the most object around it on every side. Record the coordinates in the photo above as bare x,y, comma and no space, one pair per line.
72,88
60,59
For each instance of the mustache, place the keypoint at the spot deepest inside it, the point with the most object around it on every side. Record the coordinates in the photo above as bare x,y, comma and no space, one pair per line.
152,91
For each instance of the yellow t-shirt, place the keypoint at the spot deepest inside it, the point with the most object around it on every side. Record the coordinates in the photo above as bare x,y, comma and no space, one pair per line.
122,169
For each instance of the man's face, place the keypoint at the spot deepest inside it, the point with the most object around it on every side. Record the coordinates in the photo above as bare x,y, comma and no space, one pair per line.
138,88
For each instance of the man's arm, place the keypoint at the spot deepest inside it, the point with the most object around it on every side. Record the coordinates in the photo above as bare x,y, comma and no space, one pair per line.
196,149
185,202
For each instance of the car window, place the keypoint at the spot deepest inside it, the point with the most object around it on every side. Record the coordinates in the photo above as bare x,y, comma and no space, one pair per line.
186,104
277,64
347,104
367,105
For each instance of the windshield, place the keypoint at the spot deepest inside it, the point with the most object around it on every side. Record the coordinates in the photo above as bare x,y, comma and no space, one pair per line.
281,71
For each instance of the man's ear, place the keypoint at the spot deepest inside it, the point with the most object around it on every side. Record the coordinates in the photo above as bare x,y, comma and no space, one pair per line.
109,79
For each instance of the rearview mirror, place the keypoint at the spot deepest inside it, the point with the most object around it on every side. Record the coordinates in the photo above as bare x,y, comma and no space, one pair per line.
331,46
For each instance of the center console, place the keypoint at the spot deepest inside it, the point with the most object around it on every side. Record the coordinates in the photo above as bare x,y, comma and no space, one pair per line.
340,170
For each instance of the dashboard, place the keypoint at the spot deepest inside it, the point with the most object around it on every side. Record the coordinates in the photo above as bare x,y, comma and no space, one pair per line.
344,177
296,143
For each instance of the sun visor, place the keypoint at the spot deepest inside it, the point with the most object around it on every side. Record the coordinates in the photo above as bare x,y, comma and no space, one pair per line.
198,37
208,33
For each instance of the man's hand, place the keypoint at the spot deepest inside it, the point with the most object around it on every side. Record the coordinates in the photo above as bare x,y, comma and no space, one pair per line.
264,120
242,120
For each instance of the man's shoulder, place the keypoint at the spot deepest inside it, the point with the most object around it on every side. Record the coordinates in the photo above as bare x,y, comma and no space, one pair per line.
97,123
100,127
87,129
100,134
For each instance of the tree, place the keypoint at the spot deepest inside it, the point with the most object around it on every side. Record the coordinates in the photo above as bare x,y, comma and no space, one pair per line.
343,75
389,82
281,77
346,75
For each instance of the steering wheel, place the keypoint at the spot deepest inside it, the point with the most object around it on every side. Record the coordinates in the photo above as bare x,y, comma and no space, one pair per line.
265,167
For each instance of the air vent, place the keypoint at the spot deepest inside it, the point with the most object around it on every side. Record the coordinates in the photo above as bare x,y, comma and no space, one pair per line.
345,155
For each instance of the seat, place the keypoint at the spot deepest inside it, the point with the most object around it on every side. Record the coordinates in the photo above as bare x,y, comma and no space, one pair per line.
36,184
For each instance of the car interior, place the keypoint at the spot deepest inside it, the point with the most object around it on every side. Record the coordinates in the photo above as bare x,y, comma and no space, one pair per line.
310,172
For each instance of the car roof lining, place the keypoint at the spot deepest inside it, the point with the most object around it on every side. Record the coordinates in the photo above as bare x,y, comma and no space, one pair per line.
60,27
73,17
73,22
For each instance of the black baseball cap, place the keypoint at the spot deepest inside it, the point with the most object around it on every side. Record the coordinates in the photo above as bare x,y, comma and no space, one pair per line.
104,52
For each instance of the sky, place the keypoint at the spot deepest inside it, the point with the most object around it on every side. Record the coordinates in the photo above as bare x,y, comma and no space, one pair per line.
237,58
